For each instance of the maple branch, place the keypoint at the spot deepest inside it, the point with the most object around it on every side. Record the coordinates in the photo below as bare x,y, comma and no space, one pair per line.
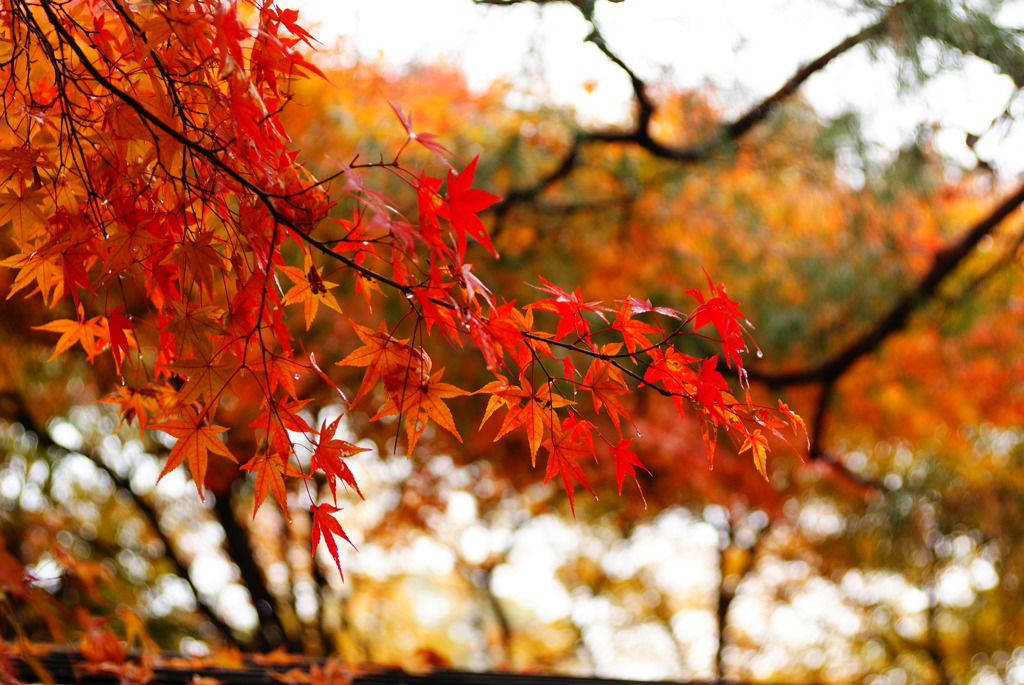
943,265
644,105
865,483
623,203
326,249
817,450
132,102
499,611
613,359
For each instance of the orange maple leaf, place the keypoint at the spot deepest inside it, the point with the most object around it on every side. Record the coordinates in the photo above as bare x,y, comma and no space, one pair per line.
198,260
796,422
101,646
41,270
605,383
333,672
537,413
385,357
281,371
271,469
83,331
757,443
135,403
309,289
26,207
192,327
206,377
194,443
419,399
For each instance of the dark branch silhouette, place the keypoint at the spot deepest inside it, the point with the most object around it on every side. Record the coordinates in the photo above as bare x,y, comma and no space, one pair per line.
944,264
16,410
640,134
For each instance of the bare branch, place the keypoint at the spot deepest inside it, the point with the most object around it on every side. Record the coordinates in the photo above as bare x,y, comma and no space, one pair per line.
640,133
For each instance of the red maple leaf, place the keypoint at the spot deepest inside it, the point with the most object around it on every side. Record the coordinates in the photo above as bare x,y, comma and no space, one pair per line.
500,333
328,455
326,526
427,140
429,202
626,463
567,444
278,420
634,333
569,307
710,385
672,370
464,202
724,314
118,332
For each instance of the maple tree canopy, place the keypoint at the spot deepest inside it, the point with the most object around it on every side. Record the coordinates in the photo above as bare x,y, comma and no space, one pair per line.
156,209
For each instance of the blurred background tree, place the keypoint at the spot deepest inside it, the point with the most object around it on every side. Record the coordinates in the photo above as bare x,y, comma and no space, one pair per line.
888,302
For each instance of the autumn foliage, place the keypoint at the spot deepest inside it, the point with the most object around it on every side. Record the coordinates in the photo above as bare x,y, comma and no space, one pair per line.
378,281
156,208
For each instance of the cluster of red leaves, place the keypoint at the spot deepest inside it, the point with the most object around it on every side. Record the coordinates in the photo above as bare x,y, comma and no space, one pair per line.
153,194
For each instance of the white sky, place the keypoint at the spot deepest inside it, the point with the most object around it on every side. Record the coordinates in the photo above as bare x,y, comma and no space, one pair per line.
747,48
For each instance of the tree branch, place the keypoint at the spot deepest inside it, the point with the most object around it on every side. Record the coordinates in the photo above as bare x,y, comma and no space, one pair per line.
944,264
18,411
640,133
270,633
